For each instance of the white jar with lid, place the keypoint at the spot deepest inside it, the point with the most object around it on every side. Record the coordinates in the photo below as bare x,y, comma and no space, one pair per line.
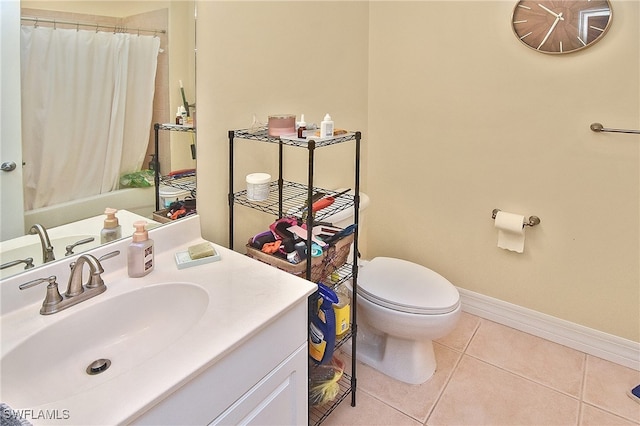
258,186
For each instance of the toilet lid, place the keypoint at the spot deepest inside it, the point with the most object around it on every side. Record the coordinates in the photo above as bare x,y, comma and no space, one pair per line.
407,287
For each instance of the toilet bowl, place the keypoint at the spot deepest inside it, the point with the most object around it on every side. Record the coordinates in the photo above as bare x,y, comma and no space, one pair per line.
402,308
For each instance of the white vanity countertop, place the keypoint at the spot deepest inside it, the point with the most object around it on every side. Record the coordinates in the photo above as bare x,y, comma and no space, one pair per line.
244,296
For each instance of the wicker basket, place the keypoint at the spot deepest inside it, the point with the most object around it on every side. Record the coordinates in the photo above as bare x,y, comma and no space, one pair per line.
322,266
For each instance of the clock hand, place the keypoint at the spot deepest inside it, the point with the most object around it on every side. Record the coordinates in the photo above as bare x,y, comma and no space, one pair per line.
558,18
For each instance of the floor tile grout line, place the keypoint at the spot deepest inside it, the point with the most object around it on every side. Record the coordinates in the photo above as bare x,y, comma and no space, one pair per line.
391,406
583,388
529,379
619,416
584,355
453,370
444,387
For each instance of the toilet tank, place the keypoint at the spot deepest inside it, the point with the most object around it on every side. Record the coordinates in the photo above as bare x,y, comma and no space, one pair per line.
344,217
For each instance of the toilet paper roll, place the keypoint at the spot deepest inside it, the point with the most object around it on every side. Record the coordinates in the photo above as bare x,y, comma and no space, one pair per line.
510,231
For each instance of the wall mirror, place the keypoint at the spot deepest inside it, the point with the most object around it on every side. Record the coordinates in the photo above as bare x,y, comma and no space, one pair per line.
172,23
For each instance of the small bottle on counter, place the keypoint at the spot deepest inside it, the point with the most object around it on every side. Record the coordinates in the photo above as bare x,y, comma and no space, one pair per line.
184,115
326,127
140,252
302,126
112,230
179,121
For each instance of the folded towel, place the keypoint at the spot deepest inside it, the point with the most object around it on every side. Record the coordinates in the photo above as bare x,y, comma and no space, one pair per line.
11,417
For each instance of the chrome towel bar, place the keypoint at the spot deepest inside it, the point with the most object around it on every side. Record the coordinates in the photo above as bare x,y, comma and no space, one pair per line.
597,127
533,220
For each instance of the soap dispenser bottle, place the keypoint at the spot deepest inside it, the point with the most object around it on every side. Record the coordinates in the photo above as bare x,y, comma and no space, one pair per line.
140,252
112,230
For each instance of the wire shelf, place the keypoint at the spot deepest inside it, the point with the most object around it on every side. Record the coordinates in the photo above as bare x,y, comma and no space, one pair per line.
184,182
261,134
175,127
318,413
294,197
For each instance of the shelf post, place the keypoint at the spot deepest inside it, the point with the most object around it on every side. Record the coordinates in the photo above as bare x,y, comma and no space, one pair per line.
354,269
311,146
156,165
280,179
231,136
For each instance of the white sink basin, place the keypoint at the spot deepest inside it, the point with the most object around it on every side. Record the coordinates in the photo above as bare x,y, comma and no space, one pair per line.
127,329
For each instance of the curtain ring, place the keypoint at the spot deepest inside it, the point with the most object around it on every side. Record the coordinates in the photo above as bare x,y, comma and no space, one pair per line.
96,28
77,26
36,24
55,24
138,32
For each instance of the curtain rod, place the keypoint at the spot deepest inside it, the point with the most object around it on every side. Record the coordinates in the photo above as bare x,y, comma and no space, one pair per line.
120,29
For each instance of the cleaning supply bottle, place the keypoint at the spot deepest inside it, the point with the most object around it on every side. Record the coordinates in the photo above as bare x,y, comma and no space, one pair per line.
112,230
326,127
140,252
322,328
342,310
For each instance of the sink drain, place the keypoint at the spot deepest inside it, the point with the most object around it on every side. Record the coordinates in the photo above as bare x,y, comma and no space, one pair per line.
98,366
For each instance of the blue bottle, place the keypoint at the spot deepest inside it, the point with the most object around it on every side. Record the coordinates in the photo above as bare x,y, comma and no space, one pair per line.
322,328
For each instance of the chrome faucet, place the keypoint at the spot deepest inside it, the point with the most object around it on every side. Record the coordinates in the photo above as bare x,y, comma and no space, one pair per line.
28,262
75,287
47,248
76,291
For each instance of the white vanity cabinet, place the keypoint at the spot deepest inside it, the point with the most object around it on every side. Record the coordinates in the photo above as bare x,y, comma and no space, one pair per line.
262,381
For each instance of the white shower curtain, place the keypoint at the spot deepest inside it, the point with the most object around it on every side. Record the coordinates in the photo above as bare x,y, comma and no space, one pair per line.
87,103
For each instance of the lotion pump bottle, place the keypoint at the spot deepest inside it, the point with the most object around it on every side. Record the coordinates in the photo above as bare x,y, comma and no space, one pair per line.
112,230
140,253
326,127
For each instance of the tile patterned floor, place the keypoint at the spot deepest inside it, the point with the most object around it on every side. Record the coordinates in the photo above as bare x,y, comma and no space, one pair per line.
489,374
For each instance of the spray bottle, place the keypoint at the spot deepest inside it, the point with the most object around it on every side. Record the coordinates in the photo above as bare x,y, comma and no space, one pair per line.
322,328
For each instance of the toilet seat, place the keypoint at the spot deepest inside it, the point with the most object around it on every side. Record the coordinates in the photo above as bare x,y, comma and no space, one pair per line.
406,287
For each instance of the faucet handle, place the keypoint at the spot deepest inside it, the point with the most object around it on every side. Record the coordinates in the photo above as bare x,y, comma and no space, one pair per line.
53,297
70,247
51,280
109,255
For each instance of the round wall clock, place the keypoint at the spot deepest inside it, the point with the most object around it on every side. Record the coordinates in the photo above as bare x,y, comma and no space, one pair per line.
561,26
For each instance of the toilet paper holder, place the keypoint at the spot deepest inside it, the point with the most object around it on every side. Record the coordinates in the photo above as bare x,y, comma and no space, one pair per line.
533,220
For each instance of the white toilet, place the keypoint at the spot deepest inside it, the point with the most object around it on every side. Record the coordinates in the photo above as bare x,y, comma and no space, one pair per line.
401,308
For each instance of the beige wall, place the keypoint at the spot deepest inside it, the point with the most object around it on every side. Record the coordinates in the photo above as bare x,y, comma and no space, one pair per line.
267,58
466,119
458,119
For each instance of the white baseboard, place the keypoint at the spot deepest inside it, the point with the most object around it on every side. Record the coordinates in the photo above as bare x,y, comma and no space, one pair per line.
593,342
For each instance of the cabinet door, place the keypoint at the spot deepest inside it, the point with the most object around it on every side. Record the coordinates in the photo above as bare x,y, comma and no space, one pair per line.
280,398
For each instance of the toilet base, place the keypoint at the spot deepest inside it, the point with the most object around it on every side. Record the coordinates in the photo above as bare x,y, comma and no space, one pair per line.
409,361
